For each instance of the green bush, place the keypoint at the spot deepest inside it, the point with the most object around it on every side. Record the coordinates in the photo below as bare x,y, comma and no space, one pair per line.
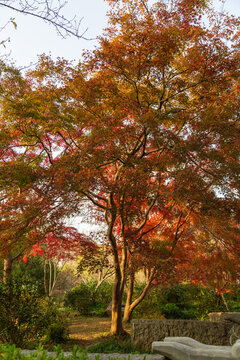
179,301
183,301
80,298
103,294
235,307
114,345
173,311
29,275
88,300
150,307
26,318
57,332
205,301
233,298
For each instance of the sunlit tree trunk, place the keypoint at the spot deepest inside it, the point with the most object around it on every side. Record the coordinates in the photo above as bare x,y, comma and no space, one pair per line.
119,271
50,278
53,277
7,269
49,284
8,266
131,305
225,302
45,276
127,310
116,324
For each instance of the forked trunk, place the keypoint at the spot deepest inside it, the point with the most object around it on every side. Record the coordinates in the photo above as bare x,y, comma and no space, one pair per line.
131,305
127,314
119,269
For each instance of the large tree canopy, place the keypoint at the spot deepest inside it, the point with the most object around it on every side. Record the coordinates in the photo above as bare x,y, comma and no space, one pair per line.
146,128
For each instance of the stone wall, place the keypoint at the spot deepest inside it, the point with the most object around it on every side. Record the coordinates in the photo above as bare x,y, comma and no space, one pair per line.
234,317
144,332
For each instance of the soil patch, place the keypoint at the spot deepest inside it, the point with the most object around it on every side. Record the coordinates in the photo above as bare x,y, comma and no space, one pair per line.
88,331
85,331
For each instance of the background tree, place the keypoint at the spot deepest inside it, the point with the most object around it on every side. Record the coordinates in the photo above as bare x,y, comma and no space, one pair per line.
96,260
61,246
213,260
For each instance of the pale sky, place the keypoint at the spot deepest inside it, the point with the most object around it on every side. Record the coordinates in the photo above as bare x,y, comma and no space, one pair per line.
34,37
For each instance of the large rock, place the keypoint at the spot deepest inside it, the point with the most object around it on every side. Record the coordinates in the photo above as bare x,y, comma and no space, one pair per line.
185,348
194,343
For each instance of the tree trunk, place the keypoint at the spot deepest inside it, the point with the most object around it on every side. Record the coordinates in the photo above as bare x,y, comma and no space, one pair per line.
45,276
130,306
116,324
118,286
53,282
225,302
7,269
127,310
50,278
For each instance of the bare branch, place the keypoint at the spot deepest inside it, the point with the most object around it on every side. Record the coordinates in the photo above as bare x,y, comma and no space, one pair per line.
49,12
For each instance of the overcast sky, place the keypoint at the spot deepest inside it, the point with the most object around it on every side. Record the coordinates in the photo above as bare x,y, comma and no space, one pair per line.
33,37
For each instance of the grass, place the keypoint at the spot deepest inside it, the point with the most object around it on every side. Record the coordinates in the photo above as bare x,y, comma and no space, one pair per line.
114,345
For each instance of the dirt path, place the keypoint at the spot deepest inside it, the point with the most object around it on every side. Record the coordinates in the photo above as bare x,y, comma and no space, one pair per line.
88,331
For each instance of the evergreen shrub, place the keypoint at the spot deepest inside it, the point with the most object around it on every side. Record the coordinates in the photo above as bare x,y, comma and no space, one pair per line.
89,300
26,318
183,301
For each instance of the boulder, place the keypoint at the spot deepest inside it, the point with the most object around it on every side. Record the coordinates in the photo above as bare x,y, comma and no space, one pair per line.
185,348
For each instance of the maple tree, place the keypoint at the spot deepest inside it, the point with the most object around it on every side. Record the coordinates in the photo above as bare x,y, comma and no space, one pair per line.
96,260
26,218
30,206
62,244
146,121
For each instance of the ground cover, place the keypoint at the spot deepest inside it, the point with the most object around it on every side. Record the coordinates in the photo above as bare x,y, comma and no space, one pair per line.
11,352
85,331
92,334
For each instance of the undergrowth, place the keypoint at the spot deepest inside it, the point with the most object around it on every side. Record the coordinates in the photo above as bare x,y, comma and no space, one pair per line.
11,352
114,345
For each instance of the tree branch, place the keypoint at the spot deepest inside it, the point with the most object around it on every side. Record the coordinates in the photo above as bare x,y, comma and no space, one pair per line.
44,10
